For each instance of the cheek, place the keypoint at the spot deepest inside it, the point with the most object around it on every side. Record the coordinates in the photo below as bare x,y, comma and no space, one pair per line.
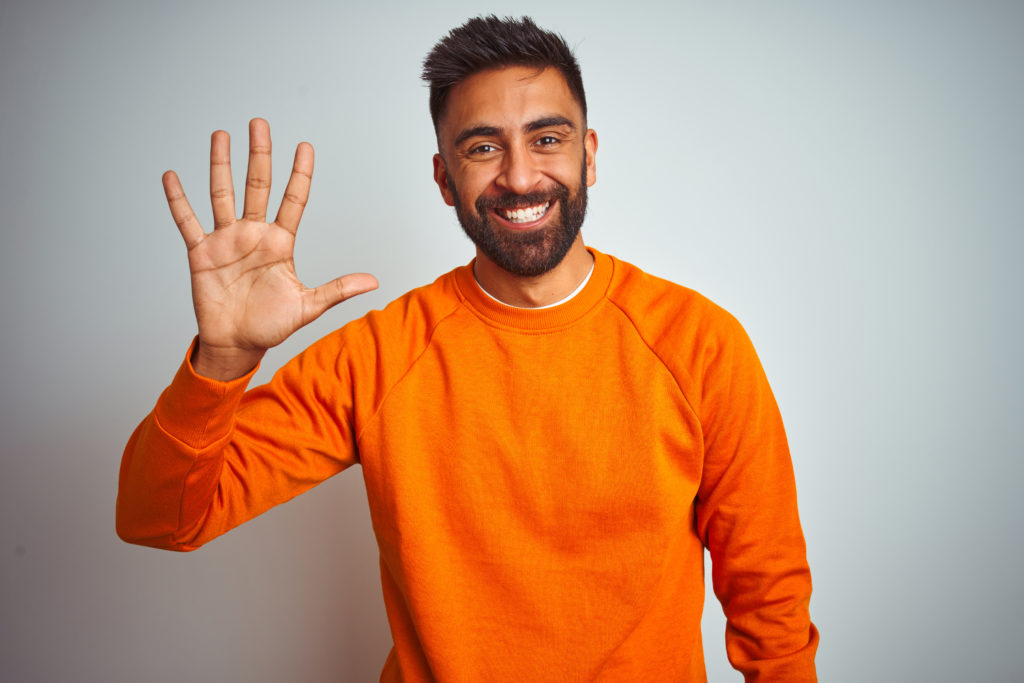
476,179
567,171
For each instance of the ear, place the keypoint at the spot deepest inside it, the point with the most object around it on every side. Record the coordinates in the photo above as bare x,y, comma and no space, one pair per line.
590,144
441,178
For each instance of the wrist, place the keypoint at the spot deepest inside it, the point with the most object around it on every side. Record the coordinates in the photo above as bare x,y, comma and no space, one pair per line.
223,364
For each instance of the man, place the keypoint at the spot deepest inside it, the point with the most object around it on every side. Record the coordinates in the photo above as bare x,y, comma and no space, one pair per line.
549,436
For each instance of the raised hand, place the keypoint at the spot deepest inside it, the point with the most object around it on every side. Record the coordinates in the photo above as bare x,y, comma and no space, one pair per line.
246,294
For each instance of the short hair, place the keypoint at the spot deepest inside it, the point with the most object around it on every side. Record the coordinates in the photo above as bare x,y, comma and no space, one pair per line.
489,43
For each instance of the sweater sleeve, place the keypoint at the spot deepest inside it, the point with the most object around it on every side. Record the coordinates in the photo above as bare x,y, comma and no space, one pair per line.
747,517
211,455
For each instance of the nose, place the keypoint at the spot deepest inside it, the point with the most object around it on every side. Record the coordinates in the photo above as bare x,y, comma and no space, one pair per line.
519,172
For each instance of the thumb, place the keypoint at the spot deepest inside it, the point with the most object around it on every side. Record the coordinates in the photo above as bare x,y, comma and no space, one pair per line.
336,291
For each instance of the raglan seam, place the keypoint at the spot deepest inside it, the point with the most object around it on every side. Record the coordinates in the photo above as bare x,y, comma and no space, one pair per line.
664,363
387,394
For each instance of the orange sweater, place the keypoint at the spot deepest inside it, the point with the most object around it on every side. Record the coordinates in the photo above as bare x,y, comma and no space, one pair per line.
542,483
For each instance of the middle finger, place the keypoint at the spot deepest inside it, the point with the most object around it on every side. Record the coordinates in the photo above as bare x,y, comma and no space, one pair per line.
257,180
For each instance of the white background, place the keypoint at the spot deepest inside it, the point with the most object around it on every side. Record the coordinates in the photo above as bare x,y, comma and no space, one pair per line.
846,178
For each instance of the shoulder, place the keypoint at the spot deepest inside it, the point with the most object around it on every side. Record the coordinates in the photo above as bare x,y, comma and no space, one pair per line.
418,312
366,357
394,334
661,309
695,338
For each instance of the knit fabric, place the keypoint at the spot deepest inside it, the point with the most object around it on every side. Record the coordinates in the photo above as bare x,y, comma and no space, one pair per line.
542,483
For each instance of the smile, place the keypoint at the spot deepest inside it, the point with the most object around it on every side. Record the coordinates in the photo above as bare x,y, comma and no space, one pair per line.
527,214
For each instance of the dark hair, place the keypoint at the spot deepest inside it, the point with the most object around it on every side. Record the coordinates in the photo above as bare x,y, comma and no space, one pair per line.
489,42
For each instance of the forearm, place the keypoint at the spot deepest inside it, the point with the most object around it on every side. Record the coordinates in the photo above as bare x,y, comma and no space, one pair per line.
172,465
211,455
760,575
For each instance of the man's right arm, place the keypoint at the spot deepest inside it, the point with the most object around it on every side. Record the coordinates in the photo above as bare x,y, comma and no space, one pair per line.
210,456
170,471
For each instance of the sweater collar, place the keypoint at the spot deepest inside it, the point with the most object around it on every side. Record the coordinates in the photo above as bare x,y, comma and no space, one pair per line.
536,319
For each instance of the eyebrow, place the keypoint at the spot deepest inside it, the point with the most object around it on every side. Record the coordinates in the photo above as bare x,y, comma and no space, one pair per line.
548,122
475,131
483,131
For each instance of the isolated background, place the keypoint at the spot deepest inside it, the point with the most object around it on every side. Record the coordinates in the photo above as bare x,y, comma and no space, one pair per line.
846,178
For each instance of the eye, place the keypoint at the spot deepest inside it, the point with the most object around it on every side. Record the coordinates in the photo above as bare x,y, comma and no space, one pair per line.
548,140
482,149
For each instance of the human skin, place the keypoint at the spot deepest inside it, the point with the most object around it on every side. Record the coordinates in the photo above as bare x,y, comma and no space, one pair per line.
490,145
245,292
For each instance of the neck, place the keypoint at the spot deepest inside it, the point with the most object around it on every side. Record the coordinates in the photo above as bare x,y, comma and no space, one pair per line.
540,290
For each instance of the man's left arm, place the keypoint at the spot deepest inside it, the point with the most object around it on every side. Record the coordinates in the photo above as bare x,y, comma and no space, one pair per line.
747,517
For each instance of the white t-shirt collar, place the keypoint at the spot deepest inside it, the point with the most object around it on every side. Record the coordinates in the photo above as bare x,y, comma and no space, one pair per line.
537,308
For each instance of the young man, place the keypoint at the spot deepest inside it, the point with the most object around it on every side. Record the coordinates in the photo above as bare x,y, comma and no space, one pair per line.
549,436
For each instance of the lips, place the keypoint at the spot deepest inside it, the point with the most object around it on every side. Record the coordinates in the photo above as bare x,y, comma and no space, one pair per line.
520,212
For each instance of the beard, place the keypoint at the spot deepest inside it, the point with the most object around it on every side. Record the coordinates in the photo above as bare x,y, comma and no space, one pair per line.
532,252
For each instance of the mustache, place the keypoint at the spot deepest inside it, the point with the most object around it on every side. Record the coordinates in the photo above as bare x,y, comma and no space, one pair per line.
511,200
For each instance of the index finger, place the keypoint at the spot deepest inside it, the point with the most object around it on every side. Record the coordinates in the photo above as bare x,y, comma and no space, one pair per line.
181,211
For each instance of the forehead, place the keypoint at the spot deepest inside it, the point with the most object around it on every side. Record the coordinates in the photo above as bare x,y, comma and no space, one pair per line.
508,98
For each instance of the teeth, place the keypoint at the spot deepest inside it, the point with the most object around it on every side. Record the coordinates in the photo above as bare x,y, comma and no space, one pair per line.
526,215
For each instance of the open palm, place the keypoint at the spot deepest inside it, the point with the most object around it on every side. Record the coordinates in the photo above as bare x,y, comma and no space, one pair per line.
246,294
